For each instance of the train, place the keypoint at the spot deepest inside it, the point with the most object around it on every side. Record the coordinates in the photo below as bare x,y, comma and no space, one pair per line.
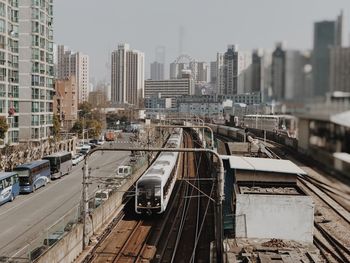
239,134
283,124
154,188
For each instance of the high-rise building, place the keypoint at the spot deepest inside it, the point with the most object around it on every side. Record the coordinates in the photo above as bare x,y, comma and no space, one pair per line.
220,73
127,76
77,65
294,70
278,72
213,72
36,67
9,66
66,101
327,34
202,72
157,71
340,69
231,66
257,71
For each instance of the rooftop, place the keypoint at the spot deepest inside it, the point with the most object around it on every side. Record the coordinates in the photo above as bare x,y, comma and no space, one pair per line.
263,165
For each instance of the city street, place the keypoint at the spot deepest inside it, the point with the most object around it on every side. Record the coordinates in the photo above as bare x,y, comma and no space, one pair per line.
30,215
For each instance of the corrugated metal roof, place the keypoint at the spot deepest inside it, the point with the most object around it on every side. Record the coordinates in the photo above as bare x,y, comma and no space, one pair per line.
263,164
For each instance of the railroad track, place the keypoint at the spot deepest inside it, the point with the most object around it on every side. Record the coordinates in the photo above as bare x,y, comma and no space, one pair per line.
181,235
143,239
330,247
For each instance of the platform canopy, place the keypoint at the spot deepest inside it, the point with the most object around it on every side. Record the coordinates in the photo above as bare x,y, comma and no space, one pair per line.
342,119
263,165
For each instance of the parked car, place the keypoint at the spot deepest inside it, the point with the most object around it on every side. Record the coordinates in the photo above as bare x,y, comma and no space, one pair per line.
100,142
77,158
94,141
85,149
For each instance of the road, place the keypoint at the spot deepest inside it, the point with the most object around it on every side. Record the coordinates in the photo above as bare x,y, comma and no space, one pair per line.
28,216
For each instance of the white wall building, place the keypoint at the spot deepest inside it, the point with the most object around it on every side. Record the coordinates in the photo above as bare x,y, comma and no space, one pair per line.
36,69
127,75
9,66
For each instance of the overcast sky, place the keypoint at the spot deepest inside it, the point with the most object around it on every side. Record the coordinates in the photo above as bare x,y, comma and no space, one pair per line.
95,27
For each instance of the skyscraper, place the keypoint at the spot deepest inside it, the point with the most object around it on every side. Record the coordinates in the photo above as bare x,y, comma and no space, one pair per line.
327,34
340,69
77,65
202,72
278,72
157,67
213,72
127,75
9,76
231,65
157,71
36,78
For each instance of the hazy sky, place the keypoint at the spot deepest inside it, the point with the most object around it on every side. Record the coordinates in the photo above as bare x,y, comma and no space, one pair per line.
95,27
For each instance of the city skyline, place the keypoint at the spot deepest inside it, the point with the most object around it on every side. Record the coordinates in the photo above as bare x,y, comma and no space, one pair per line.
205,27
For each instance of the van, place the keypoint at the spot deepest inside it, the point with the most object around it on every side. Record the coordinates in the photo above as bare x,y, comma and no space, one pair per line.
124,171
101,196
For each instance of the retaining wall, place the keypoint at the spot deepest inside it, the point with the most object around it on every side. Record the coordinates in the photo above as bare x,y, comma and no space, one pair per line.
69,248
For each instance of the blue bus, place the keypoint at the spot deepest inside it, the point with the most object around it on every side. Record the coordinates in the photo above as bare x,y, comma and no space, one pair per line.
33,175
9,187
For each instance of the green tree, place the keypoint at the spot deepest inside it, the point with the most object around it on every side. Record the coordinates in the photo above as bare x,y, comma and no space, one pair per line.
94,128
85,110
3,127
56,125
77,128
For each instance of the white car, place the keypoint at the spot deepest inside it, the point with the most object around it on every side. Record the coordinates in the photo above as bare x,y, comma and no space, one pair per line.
77,159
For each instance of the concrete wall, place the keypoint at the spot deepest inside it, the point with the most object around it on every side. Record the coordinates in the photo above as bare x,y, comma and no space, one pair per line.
272,216
67,249
258,176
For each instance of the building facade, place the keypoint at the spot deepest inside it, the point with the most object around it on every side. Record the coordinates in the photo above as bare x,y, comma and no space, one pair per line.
157,71
36,69
278,73
202,106
327,34
127,76
9,71
169,88
202,72
66,101
340,69
77,65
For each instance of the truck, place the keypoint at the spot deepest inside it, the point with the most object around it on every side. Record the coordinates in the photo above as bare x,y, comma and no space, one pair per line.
110,136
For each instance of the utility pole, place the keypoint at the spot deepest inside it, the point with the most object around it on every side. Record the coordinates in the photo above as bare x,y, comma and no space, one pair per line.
85,203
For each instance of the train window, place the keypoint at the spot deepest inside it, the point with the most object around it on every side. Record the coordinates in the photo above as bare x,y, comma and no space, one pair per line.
148,193
157,191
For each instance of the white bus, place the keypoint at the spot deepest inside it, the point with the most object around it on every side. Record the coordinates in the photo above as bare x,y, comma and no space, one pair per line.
60,163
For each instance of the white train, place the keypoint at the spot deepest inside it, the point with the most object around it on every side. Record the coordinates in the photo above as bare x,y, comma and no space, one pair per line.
275,123
154,188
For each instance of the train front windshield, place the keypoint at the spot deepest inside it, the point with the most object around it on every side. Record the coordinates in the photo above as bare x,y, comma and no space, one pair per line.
149,194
